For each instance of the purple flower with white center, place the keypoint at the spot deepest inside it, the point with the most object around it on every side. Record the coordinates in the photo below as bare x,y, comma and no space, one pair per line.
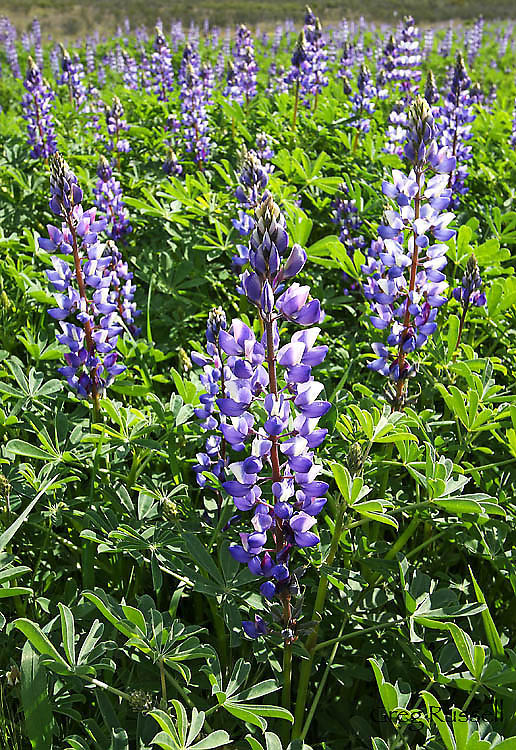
88,297
37,104
108,199
270,412
406,283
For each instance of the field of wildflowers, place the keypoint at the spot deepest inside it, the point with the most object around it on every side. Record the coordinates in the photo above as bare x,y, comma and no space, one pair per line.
257,387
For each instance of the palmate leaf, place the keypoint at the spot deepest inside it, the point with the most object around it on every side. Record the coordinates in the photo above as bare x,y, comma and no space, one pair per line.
235,699
182,734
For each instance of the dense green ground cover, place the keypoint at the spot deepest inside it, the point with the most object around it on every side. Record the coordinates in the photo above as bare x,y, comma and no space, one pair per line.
105,538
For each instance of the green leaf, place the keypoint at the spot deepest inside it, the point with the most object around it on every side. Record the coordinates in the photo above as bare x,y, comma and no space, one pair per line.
492,635
343,480
39,640
453,334
36,706
436,713
215,739
464,645
68,632
21,448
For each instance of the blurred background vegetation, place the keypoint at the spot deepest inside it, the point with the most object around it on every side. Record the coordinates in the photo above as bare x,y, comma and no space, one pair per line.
64,18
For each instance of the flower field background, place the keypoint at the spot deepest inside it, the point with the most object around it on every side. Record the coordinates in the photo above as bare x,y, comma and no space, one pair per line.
257,396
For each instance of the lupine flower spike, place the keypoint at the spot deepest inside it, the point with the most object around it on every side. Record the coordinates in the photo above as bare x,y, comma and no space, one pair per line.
469,294
37,104
88,295
407,283
277,477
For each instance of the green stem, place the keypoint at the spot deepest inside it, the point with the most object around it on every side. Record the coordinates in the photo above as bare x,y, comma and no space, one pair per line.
107,687
287,687
349,636
306,668
163,684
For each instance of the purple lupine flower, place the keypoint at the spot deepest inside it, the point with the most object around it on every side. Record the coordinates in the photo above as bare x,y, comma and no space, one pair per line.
37,104
89,54
473,40
171,165
512,139
195,96
469,294
38,48
431,92
161,67
405,73
277,477
116,125
363,102
406,282
213,458
130,73
253,180
264,152
8,36
346,216
108,199
446,45
241,81
309,61
455,118
122,288
87,298
72,75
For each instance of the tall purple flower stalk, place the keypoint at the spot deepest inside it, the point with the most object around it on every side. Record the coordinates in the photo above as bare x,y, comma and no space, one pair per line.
363,103
469,293
8,37
456,116
512,139
253,180
161,67
87,291
406,282
72,76
108,199
195,96
271,411
37,104
242,84
213,458
116,126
